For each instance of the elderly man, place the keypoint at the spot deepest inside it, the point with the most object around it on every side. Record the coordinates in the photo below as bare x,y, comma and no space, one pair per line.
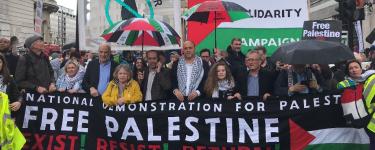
99,72
34,70
189,74
5,49
259,80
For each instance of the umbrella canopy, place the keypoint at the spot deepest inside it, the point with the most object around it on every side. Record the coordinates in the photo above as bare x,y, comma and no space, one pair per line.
205,12
312,52
142,32
68,46
211,11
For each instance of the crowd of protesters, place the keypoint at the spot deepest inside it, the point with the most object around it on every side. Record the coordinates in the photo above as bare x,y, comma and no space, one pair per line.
125,78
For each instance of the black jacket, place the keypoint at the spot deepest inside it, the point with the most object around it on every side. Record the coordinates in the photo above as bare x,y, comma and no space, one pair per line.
13,92
236,63
201,85
161,84
281,83
91,78
236,60
33,70
265,83
13,95
11,62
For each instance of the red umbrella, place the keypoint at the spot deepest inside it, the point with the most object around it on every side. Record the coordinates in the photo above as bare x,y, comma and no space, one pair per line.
143,31
211,11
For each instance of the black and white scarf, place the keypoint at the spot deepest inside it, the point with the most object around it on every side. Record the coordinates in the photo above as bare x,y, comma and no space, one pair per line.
196,75
3,87
223,85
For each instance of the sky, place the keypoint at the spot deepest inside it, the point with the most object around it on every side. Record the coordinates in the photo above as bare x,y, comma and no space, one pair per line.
72,4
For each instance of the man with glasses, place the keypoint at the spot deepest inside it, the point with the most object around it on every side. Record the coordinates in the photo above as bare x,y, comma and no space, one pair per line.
259,81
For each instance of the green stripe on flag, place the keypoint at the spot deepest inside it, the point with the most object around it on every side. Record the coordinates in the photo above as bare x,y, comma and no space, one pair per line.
277,147
172,39
165,146
190,11
340,146
156,25
133,35
109,30
238,15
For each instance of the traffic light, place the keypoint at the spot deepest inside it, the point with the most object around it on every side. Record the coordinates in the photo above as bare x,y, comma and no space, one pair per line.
349,9
340,9
346,10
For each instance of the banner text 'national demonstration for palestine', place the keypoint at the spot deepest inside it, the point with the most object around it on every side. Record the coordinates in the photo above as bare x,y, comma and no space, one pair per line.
62,121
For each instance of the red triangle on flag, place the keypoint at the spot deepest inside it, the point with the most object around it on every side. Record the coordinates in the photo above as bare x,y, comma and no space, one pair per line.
299,137
139,26
148,40
107,36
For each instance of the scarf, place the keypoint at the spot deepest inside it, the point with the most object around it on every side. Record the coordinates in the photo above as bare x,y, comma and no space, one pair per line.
71,81
3,87
196,75
224,85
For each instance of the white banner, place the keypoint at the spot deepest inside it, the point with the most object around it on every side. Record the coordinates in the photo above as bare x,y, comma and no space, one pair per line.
358,29
38,17
271,14
81,25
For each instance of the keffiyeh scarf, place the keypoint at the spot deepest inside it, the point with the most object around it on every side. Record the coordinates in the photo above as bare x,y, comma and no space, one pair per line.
224,85
196,75
3,87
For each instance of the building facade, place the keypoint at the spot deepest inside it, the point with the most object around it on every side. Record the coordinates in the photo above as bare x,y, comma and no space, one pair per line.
63,26
97,21
325,9
17,18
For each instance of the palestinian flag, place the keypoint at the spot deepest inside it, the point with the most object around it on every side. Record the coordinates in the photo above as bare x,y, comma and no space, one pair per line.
323,130
142,32
211,11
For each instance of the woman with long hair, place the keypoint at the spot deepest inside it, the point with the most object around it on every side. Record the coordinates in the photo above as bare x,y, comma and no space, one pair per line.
220,83
138,68
122,89
8,86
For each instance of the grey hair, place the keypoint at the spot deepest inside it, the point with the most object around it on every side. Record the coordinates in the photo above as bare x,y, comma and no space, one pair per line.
254,52
126,68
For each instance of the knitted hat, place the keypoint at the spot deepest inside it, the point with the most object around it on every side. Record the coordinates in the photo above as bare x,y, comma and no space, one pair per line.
30,40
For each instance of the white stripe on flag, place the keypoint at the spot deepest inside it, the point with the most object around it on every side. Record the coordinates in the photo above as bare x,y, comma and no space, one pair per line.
166,39
117,26
340,135
165,28
122,39
355,108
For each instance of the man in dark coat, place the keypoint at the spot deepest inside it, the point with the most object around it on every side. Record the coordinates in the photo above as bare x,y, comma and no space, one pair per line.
236,62
9,56
34,70
155,83
99,72
258,81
